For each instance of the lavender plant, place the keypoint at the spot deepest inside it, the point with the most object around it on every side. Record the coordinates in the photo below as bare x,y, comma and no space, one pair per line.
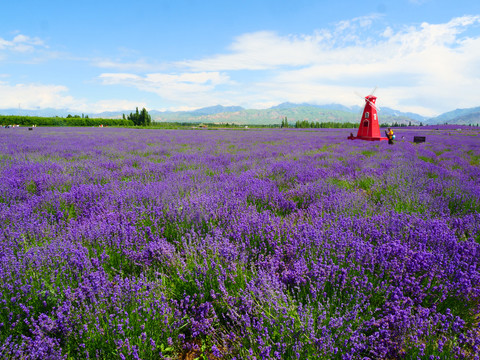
229,244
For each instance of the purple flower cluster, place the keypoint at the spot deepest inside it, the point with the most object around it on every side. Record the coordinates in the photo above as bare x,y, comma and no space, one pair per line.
232,244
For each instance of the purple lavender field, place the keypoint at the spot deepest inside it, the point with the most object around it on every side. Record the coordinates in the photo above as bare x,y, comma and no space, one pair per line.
268,244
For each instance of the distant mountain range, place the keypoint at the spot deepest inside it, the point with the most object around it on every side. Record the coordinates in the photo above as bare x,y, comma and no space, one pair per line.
275,114
469,116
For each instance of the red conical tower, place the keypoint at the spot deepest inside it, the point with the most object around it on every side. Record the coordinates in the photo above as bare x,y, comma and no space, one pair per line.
369,128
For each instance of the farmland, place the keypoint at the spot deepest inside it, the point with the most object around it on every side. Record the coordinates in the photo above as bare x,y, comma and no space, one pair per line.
232,244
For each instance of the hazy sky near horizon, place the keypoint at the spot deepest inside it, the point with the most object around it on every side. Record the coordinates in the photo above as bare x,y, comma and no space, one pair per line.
94,56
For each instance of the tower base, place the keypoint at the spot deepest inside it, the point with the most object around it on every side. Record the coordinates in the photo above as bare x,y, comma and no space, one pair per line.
367,138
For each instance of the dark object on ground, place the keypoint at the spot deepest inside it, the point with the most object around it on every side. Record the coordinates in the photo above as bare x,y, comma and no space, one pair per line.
30,128
418,139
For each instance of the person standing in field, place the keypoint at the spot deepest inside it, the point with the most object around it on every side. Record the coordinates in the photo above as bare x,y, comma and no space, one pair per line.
390,136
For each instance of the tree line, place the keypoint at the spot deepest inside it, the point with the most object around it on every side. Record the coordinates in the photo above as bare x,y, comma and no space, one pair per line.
60,121
305,124
139,118
302,124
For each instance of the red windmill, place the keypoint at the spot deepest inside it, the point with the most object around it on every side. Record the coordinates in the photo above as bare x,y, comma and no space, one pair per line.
369,128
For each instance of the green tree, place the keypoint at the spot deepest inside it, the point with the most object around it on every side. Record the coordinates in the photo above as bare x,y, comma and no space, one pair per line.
145,118
134,117
140,118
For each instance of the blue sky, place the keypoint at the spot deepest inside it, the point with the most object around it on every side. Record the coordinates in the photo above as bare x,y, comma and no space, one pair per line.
94,56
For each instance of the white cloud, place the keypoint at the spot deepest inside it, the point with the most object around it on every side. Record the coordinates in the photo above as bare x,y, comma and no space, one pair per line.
267,50
361,22
260,51
119,78
183,87
428,68
21,43
35,96
140,65
32,96
418,67
113,105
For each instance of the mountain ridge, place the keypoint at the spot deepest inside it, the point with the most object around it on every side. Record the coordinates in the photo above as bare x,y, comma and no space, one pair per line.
457,116
293,111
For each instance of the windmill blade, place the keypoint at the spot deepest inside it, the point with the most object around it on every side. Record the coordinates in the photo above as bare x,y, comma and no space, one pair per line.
365,98
360,112
358,94
374,105
371,92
